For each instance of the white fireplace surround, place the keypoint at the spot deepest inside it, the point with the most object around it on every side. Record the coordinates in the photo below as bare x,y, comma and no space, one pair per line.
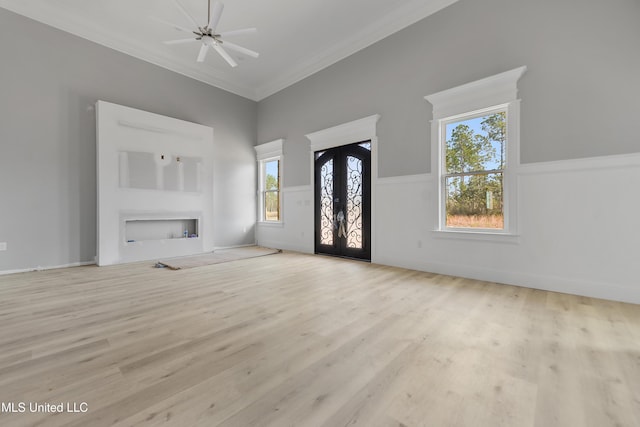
155,186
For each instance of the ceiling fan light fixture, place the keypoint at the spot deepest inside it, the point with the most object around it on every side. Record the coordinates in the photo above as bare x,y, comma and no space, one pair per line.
208,35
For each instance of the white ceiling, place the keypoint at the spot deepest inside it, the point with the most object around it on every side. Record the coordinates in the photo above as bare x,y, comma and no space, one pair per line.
295,38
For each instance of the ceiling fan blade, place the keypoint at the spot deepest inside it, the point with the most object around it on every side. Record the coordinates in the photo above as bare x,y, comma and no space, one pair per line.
240,49
203,52
216,13
238,32
180,41
186,14
174,26
225,55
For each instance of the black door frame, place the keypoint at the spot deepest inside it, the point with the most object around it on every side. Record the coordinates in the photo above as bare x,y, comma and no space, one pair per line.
339,155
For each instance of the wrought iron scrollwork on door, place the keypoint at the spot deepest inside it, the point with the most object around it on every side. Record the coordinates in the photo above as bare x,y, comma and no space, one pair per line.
342,192
326,203
354,202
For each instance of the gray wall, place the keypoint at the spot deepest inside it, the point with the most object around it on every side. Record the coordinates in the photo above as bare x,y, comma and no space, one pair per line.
580,99
580,95
49,82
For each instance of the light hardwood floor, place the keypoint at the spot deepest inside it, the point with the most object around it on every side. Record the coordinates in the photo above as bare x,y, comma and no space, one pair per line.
298,340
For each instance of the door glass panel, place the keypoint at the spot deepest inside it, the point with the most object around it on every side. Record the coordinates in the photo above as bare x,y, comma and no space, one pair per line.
354,202
326,203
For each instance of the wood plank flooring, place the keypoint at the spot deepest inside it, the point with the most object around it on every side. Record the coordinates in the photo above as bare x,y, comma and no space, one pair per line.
299,340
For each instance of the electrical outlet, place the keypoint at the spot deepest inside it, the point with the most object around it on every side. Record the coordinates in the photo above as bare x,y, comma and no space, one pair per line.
3,246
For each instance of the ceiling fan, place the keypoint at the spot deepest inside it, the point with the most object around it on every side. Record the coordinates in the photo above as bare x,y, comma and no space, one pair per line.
208,36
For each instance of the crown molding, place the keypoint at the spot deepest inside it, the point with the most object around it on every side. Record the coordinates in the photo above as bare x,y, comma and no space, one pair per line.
67,21
57,16
395,21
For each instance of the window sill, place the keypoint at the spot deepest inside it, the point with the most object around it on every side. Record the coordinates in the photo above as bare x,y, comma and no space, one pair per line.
483,236
271,224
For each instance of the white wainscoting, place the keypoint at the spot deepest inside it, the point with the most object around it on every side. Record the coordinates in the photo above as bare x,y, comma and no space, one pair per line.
295,232
578,229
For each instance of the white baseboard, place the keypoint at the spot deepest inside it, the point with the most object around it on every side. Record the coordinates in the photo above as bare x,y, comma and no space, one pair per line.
286,246
608,291
52,267
219,248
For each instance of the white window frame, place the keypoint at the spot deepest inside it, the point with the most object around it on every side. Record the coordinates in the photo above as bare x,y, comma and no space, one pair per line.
475,99
266,153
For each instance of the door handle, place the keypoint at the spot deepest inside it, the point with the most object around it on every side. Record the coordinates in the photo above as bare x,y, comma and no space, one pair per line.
342,232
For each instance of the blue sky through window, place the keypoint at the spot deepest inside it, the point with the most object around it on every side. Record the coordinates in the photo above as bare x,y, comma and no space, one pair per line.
271,168
476,125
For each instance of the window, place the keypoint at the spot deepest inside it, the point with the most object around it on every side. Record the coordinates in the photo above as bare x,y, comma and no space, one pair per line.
475,142
269,181
271,190
474,155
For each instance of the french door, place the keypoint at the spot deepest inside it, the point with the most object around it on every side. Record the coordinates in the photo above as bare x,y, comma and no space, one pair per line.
343,201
